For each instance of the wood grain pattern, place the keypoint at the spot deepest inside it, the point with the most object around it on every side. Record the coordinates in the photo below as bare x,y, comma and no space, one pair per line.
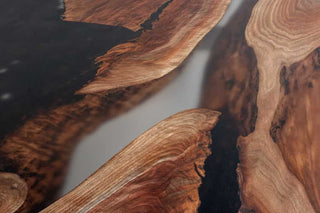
230,87
40,150
232,76
160,171
45,60
130,14
160,50
290,35
38,143
13,192
269,91
296,122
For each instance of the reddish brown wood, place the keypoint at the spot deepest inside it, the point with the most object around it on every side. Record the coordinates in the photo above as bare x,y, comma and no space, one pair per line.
165,42
160,171
39,148
296,121
276,116
112,13
13,192
230,86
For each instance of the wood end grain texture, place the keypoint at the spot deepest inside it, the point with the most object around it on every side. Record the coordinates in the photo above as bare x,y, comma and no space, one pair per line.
160,171
268,79
39,148
39,151
289,35
13,192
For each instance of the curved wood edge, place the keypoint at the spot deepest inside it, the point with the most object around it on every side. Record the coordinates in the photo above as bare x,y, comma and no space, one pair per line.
290,35
160,48
230,86
278,170
47,139
13,192
130,14
39,151
232,76
160,171
295,147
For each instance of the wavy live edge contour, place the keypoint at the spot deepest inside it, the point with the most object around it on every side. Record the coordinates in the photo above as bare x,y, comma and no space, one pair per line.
230,86
111,12
160,171
279,174
281,32
178,28
38,150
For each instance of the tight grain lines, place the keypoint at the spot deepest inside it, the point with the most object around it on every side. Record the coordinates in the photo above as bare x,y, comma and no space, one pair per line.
128,74
13,192
161,50
154,173
281,33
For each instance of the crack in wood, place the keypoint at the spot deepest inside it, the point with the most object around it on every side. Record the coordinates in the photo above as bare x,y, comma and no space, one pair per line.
148,24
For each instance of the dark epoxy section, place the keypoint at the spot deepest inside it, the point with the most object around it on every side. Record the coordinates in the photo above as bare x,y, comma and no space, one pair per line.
219,189
232,57
44,60
148,24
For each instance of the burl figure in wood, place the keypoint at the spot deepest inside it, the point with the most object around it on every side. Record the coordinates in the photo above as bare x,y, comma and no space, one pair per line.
266,78
53,93
263,77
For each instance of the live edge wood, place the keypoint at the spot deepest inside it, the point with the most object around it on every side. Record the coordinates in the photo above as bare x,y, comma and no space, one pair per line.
39,150
58,97
166,39
279,144
160,171
230,87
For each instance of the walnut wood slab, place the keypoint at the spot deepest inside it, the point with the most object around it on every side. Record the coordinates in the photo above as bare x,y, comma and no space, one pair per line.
160,171
61,79
230,86
277,115
290,35
156,52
